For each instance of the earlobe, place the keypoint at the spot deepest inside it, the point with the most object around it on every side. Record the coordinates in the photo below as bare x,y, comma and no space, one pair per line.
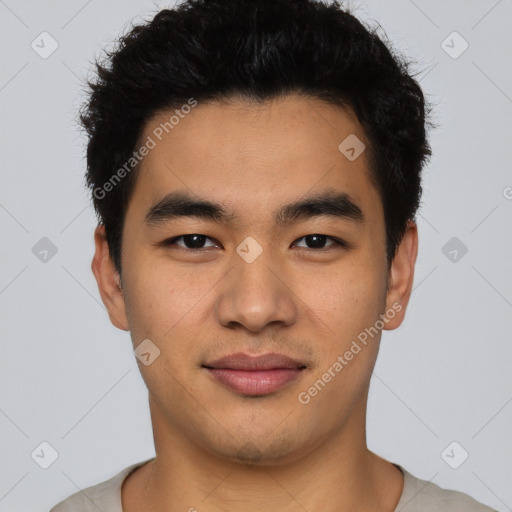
401,277
108,280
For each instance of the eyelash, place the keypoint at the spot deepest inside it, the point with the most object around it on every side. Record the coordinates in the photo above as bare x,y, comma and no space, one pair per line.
171,241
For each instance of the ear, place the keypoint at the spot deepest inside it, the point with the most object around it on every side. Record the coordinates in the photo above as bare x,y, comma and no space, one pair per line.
401,276
109,280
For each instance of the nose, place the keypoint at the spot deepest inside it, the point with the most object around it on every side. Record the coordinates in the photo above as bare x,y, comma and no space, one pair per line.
256,294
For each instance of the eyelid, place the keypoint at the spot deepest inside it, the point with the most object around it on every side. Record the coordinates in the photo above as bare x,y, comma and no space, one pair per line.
338,242
174,239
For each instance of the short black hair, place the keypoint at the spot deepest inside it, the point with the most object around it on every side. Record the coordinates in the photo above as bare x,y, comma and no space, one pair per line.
255,50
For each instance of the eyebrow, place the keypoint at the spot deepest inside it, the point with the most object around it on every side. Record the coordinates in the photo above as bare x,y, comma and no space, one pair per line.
330,203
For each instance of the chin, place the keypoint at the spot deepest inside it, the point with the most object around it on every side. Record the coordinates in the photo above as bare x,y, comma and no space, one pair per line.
261,450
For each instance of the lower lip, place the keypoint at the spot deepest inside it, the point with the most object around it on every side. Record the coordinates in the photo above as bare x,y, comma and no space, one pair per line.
258,382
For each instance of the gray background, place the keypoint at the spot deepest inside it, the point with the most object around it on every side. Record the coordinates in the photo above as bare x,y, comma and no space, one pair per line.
68,377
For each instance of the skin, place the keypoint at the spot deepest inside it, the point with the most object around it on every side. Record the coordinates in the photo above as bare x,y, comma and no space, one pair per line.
217,450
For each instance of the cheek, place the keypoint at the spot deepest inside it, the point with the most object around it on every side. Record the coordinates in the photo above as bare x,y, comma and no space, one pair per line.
350,297
356,303
165,308
148,299
151,308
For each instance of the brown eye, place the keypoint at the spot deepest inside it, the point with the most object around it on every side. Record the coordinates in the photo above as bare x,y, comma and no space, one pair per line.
317,241
191,241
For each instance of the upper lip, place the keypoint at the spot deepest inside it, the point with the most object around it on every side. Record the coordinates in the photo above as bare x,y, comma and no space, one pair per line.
241,361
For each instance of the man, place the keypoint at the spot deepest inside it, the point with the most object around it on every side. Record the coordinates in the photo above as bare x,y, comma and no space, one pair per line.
255,166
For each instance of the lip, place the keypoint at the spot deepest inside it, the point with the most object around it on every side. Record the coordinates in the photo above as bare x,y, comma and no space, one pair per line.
255,375
241,361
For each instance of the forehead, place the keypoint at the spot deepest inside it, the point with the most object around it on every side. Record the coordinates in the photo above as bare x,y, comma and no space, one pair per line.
252,155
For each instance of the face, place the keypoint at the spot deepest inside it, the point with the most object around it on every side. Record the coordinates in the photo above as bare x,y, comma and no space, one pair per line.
289,258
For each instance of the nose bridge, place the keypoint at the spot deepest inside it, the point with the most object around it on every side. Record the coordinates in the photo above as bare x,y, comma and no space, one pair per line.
253,293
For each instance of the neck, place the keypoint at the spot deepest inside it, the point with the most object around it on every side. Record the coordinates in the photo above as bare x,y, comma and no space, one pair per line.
337,473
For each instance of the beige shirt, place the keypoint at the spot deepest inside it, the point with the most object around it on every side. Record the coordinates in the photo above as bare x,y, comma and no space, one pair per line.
417,496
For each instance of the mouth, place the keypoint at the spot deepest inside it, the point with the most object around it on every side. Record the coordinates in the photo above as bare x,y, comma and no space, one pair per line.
255,376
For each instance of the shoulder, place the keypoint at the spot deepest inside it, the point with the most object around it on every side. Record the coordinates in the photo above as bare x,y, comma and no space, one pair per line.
422,496
104,496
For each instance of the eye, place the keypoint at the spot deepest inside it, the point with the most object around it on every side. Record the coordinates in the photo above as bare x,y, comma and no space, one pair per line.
192,241
195,242
318,241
